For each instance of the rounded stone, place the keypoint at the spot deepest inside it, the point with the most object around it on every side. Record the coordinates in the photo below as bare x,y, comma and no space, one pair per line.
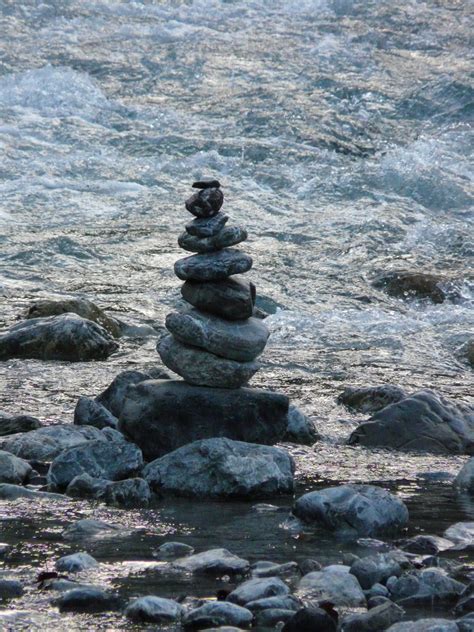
214,266
206,202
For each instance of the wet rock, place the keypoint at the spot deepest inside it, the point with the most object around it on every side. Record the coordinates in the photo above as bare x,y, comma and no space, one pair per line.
217,613
375,620
216,562
133,492
206,183
13,470
334,584
44,444
461,534
284,602
300,428
101,459
273,617
3,548
260,588
375,569
236,340
311,620
207,226
202,368
424,421
309,565
172,550
14,492
87,599
88,412
222,468
377,600
206,203
10,588
228,236
426,544
162,415
67,337
466,623
430,585
17,423
410,284
89,528
465,479
376,590
215,266
153,609
270,569
80,306
425,625
76,562
86,486
470,352
371,399
353,509
232,298
466,602
114,395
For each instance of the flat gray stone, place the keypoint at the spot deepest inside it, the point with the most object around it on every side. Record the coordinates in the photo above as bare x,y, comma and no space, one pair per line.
153,609
279,602
89,528
270,569
12,424
370,399
228,236
217,613
202,368
425,625
353,509
13,469
233,298
172,550
76,562
89,412
66,337
100,459
222,468
207,226
163,415
214,266
334,584
213,562
241,340
260,588
14,492
461,534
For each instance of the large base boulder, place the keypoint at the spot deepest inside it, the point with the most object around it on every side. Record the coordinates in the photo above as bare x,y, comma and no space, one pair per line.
353,509
223,468
66,337
424,421
162,415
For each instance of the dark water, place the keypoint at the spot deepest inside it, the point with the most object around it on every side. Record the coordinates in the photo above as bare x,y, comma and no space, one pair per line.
341,133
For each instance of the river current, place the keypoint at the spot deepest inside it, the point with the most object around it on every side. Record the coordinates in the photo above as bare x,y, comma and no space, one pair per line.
340,131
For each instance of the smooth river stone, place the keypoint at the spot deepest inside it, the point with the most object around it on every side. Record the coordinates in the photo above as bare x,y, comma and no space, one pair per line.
163,415
228,236
214,266
240,340
232,299
206,203
207,226
203,368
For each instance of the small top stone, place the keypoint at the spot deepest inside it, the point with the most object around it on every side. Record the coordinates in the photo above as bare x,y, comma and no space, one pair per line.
206,183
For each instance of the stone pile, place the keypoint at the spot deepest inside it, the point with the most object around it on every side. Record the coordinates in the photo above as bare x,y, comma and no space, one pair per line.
216,342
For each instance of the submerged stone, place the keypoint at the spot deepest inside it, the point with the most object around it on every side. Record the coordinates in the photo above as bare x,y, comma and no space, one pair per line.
214,266
412,284
232,299
162,415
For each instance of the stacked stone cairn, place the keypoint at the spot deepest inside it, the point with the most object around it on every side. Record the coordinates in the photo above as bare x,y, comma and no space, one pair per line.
217,341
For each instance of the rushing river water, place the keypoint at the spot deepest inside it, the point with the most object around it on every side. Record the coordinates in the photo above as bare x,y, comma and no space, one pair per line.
339,130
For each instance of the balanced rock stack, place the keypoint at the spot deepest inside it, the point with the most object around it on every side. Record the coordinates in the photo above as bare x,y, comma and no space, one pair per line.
216,342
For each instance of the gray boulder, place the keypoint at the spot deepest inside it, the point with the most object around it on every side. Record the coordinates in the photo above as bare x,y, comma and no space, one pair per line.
371,399
213,562
228,236
425,625
334,584
353,509
10,588
375,620
80,306
375,569
86,486
87,599
461,534
236,340
300,428
88,412
207,226
76,562
67,337
133,492
424,421
426,544
428,586
114,395
222,468
265,568
465,479
217,613
162,415
100,459
44,444
214,266
233,298
202,368
153,609
260,588
12,424
13,470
